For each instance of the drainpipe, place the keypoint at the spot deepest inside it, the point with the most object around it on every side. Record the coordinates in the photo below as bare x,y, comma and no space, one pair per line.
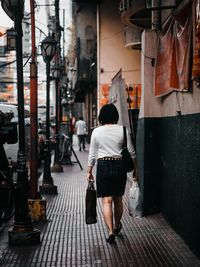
98,59
156,16
35,199
33,112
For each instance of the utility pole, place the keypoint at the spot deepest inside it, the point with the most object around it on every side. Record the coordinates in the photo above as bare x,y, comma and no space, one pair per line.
35,199
33,110
57,167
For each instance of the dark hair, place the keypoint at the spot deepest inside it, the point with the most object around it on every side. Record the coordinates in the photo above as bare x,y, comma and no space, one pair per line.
108,114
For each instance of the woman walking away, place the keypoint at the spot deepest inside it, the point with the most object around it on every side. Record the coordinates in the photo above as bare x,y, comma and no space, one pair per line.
106,146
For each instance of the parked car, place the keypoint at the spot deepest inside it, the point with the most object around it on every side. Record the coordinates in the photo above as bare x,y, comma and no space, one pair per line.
42,113
5,108
12,149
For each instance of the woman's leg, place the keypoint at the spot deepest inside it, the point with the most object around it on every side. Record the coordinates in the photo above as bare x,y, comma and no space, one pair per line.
118,210
108,214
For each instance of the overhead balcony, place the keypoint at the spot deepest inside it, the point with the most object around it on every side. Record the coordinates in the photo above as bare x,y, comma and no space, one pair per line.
134,13
132,37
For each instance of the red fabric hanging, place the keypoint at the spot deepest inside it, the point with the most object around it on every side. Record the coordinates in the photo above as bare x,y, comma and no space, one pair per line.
173,53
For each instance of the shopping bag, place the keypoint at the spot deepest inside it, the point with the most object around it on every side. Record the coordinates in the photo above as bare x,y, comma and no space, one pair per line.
90,204
134,204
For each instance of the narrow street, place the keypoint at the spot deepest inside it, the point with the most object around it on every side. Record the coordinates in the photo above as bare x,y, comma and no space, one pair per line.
67,241
61,63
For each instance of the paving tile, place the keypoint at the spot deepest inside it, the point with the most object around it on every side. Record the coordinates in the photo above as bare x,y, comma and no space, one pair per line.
67,241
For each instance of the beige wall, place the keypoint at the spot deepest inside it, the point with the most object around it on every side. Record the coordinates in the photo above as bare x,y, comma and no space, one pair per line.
112,53
151,106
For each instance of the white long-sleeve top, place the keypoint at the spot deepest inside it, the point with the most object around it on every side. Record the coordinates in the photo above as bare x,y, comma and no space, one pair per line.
80,126
107,141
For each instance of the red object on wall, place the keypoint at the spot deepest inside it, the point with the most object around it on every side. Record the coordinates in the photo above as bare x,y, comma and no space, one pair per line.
105,89
173,53
103,101
134,95
196,55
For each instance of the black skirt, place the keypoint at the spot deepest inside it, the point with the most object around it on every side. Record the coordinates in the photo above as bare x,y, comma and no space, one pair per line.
110,178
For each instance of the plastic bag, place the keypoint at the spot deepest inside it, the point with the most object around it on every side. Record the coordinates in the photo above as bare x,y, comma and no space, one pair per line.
90,204
134,204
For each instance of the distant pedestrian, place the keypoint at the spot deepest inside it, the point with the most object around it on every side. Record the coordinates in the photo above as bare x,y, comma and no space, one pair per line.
80,127
106,146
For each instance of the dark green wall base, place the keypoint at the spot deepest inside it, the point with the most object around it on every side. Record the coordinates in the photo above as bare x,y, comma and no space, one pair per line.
148,157
168,153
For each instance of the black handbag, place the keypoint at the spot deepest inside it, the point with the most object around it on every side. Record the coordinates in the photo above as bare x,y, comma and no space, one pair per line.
90,204
126,157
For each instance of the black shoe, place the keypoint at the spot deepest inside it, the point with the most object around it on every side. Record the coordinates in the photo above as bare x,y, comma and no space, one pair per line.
117,230
80,149
111,239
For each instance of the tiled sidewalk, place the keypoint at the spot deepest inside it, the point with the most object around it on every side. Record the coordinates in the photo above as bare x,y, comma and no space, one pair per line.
67,241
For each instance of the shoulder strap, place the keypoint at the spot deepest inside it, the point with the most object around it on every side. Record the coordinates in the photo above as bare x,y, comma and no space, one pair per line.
125,137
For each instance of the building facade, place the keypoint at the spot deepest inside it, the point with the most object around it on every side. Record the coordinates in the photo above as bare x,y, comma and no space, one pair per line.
168,132
84,66
154,45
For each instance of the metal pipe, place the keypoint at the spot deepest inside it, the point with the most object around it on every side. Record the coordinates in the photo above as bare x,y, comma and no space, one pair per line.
33,112
47,150
22,220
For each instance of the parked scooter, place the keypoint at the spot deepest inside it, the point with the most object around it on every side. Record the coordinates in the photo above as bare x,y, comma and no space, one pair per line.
6,197
8,134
